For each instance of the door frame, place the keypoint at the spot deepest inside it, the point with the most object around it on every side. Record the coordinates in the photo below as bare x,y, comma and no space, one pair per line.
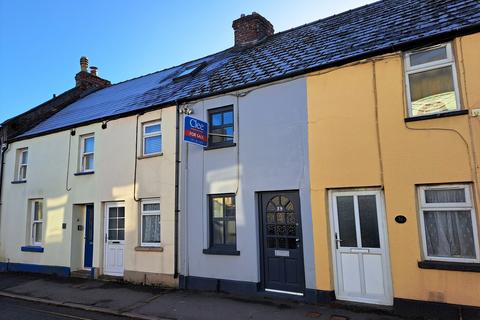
113,204
262,285
383,238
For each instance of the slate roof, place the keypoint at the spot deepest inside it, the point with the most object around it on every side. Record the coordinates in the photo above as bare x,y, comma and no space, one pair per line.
378,27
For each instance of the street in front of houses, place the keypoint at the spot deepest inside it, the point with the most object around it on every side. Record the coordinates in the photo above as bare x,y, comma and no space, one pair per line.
44,297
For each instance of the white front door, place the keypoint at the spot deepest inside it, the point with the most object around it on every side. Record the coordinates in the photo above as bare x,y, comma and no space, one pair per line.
114,238
359,242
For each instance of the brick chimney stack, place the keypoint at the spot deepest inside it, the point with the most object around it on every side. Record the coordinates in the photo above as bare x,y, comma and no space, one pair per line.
88,80
250,29
93,71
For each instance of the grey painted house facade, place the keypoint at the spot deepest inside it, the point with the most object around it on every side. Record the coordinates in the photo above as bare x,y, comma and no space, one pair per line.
266,159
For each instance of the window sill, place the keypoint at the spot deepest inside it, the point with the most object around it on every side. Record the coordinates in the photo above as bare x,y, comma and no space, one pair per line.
453,266
32,249
150,156
19,181
149,249
83,173
437,115
220,146
225,252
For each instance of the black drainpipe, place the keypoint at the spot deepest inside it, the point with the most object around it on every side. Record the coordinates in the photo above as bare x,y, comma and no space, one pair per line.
3,149
177,197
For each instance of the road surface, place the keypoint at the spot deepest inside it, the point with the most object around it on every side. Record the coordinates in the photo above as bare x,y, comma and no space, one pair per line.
13,309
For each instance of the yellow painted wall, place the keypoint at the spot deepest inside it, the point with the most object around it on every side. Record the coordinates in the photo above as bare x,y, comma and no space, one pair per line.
345,149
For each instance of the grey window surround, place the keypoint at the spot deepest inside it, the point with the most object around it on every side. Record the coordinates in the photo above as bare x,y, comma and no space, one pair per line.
224,125
223,247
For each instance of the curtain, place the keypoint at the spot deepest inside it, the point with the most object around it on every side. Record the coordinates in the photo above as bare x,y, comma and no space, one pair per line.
445,195
449,234
151,228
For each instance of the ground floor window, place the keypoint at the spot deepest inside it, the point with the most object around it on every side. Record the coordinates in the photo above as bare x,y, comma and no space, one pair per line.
150,223
223,233
448,223
36,219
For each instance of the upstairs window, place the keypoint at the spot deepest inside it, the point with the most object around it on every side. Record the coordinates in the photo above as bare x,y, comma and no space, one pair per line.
87,147
150,223
431,81
152,138
448,224
221,127
36,222
22,164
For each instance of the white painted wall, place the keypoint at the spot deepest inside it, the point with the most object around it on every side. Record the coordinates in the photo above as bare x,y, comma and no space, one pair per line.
112,181
271,135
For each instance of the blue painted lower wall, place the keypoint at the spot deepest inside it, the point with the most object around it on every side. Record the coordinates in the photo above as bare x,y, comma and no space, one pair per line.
35,268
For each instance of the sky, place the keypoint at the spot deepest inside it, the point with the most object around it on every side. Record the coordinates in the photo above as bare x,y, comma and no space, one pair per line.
41,42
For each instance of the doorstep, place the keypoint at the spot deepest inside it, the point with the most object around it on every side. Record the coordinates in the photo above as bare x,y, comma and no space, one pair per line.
82,274
106,277
363,307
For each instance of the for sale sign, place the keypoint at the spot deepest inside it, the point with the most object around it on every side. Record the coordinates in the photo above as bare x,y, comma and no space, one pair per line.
196,131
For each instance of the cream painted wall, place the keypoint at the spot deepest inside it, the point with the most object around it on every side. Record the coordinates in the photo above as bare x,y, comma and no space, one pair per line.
344,152
112,181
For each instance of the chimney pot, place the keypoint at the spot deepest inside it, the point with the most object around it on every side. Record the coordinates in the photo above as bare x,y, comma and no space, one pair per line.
250,29
83,63
93,71
88,80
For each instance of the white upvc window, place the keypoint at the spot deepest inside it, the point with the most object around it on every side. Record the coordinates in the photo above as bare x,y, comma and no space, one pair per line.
431,81
448,223
150,223
87,151
37,222
22,164
152,138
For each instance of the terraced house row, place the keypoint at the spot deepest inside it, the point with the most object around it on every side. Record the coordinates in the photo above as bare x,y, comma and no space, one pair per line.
342,163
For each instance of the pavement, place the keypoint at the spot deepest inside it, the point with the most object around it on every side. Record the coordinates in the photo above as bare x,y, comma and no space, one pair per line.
107,298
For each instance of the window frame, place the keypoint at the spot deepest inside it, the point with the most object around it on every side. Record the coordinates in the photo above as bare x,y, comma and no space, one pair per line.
188,71
83,154
225,248
211,127
20,164
150,213
34,221
150,135
449,206
449,61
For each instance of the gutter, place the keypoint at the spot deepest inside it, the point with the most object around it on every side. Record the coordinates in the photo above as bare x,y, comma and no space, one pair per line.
393,48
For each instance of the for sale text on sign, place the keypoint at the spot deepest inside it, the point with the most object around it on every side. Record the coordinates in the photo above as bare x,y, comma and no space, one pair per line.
196,131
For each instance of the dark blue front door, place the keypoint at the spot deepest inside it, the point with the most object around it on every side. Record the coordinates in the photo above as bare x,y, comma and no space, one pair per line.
282,242
88,237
